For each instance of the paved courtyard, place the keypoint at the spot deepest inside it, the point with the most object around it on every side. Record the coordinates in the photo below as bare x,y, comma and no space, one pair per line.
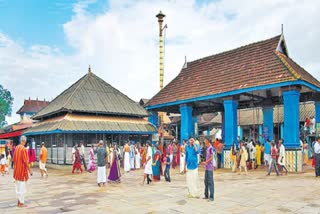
78,193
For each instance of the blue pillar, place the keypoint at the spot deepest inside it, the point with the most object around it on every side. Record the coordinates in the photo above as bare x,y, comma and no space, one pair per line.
317,108
230,122
268,122
291,118
240,132
260,134
281,130
186,122
153,118
222,127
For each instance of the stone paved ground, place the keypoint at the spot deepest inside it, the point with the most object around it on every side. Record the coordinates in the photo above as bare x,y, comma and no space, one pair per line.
255,193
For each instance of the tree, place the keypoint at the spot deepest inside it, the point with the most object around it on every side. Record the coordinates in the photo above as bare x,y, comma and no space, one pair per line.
6,101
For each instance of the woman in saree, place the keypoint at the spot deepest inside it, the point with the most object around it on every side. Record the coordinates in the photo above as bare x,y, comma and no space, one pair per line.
92,163
143,153
156,165
174,159
258,154
77,161
114,174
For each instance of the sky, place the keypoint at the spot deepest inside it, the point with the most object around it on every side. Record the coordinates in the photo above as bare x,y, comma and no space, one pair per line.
45,46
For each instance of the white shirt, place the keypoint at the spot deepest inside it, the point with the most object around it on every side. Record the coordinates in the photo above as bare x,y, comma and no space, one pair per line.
317,148
282,151
3,161
149,154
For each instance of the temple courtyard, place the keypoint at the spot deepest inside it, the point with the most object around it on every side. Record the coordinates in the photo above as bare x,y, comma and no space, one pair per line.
256,193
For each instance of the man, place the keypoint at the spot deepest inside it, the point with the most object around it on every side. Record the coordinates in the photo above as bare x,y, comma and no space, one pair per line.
126,162
273,161
43,159
21,170
101,156
182,156
82,154
282,157
267,157
312,125
208,176
132,167
148,167
317,157
191,167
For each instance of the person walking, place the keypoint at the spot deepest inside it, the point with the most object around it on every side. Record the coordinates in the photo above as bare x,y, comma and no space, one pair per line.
21,170
126,150
191,169
167,170
43,160
208,176
273,160
243,158
114,174
182,156
233,157
101,156
82,156
77,160
317,157
148,166
282,157
92,163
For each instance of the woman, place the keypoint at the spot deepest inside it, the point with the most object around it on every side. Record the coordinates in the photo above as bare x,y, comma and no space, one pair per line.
174,152
114,174
258,154
156,164
77,161
137,157
244,158
233,157
262,153
143,154
305,153
92,163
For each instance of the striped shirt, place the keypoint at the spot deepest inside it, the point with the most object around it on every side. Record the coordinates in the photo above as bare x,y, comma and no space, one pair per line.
20,159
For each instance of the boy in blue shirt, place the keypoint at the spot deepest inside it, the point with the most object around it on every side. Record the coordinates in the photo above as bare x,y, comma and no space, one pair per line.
167,170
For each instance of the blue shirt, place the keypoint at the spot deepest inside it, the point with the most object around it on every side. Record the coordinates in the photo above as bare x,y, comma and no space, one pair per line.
191,157
267,149
168,161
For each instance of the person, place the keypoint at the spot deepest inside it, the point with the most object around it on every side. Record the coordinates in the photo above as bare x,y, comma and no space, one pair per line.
43,160
258,154
253,155
21,170
182,156
167,170
197,142
282,157
305,152
101,156
273,161
233,157
174,155
92,163
108,159
77,160
114,174
137,157
32,153
267,157
307,126
148,166
243,158
208,176
82,155
132,156
170,151
317,157
143,153
156,163
191,169
312,125
126,150
2,164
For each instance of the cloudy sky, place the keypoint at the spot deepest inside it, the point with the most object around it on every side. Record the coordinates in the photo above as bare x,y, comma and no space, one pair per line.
45,46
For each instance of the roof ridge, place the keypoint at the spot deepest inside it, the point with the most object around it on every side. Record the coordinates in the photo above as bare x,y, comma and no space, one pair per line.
286,64
235,49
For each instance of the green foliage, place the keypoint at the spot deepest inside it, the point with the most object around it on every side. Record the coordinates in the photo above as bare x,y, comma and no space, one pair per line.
6,101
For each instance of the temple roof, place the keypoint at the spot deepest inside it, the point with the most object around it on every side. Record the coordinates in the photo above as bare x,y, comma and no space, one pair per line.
257,64
91,94
73,123
32,106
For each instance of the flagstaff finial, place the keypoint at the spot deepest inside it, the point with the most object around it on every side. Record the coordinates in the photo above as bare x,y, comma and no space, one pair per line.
281,29
89,70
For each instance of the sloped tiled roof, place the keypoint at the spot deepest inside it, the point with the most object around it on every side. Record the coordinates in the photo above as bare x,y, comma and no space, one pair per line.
252,65
91,94
90,123
32,106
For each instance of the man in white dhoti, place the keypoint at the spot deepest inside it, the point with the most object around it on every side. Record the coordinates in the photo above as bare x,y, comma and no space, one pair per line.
101,156
126,151
148,167
282,157
137,157
132,156
182,156
191,167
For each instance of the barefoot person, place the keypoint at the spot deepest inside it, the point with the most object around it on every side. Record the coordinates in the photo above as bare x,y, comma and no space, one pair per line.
148,165
43,159
208,176
191,167
101,156
114,174
21,170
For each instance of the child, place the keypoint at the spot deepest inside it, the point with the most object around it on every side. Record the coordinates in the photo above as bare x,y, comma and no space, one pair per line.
2,164
167,170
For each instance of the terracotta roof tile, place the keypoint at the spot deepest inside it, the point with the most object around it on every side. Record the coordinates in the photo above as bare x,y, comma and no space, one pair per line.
32,106
248,66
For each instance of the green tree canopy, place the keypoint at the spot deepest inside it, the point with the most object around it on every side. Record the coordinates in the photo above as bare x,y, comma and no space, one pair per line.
6,101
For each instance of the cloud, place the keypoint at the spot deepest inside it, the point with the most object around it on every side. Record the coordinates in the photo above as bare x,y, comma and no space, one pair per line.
121,44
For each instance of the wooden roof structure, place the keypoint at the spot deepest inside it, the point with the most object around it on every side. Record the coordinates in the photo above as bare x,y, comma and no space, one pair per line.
32,106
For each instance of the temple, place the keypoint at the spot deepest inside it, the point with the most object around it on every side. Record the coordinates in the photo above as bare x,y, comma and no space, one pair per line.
88,111
259,75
